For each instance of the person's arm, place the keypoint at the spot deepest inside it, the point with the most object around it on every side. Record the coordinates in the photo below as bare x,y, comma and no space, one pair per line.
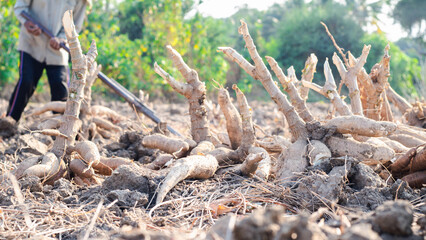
23,5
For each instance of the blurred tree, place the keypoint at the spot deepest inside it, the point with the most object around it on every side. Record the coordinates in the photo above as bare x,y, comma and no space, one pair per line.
411,15
301,34
365,12
130,16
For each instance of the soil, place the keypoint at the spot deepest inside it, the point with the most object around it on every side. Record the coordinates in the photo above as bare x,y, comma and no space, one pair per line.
337,198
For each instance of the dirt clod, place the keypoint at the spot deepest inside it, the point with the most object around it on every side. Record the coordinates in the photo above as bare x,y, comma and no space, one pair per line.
368,198
319,187
128,198
262,224
130,178
32,183
395,218
401,190
8,127
64,187
366,177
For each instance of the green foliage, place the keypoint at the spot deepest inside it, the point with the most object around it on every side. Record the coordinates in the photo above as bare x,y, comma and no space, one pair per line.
9,56
302,34
411,14
130,18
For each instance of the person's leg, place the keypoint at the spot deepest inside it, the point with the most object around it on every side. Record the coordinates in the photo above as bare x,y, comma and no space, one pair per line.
30,71
57,76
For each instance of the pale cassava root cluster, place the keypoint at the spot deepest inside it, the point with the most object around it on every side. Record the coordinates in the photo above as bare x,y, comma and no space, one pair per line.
73,152
364,129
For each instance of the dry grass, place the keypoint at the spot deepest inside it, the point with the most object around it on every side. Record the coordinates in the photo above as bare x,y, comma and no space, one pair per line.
190,208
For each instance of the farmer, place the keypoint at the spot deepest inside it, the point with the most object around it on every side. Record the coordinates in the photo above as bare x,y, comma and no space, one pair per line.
38,52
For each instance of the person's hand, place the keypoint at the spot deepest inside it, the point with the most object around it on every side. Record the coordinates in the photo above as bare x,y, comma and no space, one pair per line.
32,28
55,43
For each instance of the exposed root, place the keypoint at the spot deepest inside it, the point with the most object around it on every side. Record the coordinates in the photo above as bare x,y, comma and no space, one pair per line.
98,110
51,123
87,150
361,151
202,148
416,116
51,132
361,126
105,124
50,169
412,131
24,165
274,144
317,151
406,140
416,180
222,155
412,161
411,167
292,160
81,169
169,145
55,106
264,167
196,166
233,119
402,104
106,166
396,146
248,167
160,161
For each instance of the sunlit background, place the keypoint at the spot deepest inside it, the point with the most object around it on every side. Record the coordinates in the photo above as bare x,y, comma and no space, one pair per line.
132,35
